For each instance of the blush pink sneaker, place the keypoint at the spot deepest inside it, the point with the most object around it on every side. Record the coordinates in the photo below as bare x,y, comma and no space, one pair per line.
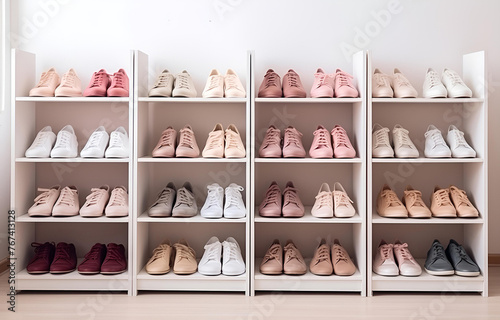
322,145
292,144
270,86
47,84
292,206
165,148
119,85
98,85
271,205
292,86
344,88
270,147
323,85
342,147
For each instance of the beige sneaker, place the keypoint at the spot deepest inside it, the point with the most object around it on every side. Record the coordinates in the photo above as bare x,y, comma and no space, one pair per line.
294,262
159,263
95,202
187,143
214,148
44,202
464,207
118,203
416,207
342,203
165,148
163,85
47,84
184,86
342,263
70,86
233,87
215,85
234,145
441,205
323,205
273,259
388,204
67,204
185,258
321,263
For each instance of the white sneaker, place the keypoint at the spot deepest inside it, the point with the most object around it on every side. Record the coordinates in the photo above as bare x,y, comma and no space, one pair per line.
232,85
402,87
381,85
234,206
323,205
232,261
433,87
381,146
459,147
234,146
214,202
96,145
185,204
43,143
70,86
118,144
214,148
454,84
164,203
403,146
66,144
215,85
435,147
342,202
210,264
184,86
118,203
163,85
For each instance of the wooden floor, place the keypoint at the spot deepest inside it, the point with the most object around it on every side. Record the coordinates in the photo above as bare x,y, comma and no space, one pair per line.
275,306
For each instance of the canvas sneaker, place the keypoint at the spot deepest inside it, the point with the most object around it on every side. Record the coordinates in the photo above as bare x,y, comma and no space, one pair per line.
118,144
271,205
66,144
384,263
458,145
342,263
232,261
433,87
342,203
164,202
323,85
408,266
214,148
323,205
44,255
43,143
234,207
187,143
436,263
163,85
463,206
47,84
185,258
160,261
118,203
292,205
435,146
67,204
381,145
234,146
210,263
119,84
270,147
96,145
402,87
272,263
64,258
95,202
270,86
214,202
344,87
232,85
321,146
381,85
454,85
70,86
388,204
403,146
416,207
342,147
321,263
441,205
292,86
292,144
93,260
461,261
185,203
115,261
165,148
184,86
293,263
215,85
99,84
44,202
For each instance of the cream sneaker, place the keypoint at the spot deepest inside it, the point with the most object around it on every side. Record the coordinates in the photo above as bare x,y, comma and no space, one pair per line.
67,204
214,148
70,86
384,263
163,85
165,148
44,202
441,205
342,203
416,207
454,85
215,85
234,145
232,85
43,143
187,143
433,87
403,146
381,146
47,84
95,202
184,86
402,87
118,203
388,204
323,206
381,85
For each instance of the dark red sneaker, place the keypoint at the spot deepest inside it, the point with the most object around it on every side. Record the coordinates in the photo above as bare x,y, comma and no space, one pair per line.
93,260
115,261
64,258
44,254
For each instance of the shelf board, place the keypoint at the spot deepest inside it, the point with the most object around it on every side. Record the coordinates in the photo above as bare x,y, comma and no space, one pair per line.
195,160
102,219
308,100
76,160
427,160
144,217
307,160
307,218
427,100
73,99
192,100
382,220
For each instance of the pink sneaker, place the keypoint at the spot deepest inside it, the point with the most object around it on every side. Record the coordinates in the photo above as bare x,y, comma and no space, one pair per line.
344,87
270,147
292,144
98,85
270,86
271,205
292,86
323,85
322,145
342,147
119,85
165,148
292,206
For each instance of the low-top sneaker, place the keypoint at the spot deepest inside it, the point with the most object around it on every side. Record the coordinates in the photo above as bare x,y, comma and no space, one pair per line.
185,258
271,205
342,263
293,263
232,85
292,144
160,261
187,143
215,85
381,145
388,204
321,263
270,86
270,147
461,261
435,146
44,202
292,205
342,203
47,84
454,85
232,261
344,87
163,85
96,145
115,261
465,209
342,147
95,202
43,143
214,202
416,207
436,263
381,85
210,263
64,258
214,148
323,85
384,263
458,145
234,207
441,205
67,204
403,146
164,202
99,84
321,146
165,148
402,87
292,86
118,203
234,145
44,255
119,84
184,86
323,205
118,144
93,260
272,263
185,203
408,266
70,86
433,87
66,144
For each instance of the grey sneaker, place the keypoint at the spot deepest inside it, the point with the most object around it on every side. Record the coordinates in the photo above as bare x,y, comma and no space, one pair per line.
436,262
185,204
463,264
163,205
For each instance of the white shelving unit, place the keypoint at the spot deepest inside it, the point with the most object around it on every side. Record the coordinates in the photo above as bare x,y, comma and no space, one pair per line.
470,116
307,175
29,115
152,116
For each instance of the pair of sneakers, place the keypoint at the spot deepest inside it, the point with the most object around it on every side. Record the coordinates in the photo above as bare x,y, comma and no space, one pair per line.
219,86
47,145
271,85
276,204
51,85
180,257
168,85
322,146
403,146
287,260
167,146
222,258
103,84
449,85
389,205
336,261
214,206
337,85
457,147
327,202
110,259
453,260
222,143
395,259
397,85
98,141
175,203
51,258
292,146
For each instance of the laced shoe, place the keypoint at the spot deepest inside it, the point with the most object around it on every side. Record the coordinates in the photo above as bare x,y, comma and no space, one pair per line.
292,86
342,263
232,261
416,207
454,85
321,263
323,85
67,204
44,202
47,84
321,146
292,206
93,260
159,263
96,145
185,203
323,205
381,85
388,204
215,85
66,144
463,206
458,146
118,203
64,258
99,84
433,87
234,146
272,263
344,87
118,144
342,147
381,146
435,147
214,202
214,148
232,85
342,202
210,264
163,85
441,205
384,263
164,202
43,143
292,144
403,146
70,86
44,255
115,261
270,147
294,262
408,267
271,205
165,148
185,258
402,87
461,261
184,86
95,202
270,86
119,84
234,206
436,263
187,143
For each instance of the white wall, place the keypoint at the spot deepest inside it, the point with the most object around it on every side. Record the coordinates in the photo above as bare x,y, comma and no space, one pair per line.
304,35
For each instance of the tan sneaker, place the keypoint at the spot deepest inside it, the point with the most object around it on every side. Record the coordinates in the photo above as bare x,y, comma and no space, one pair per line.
184,86
185,258
187,147
232,85
67,204
165,148
342,263
234,145
294,262
441,205
47,84
214,148
118,203
388,204
95,202
321,263
159,263
273,259
215,85
70,86
342,203
416,207
464,207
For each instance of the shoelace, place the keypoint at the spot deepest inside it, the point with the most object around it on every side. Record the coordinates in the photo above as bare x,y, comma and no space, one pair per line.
455,78
213,196
67,197
182,81
212,251
272,137
405,253
118,80
292,137
98,79
187,138
167,139
63,140
391,198
323,79
233,196
232,140
401,80
459,136
94,196
184,197
118,198
160,252
162,81
462,199
184,252
436,137
442,197
68,80
94,140
438,253
45,79
272,195
231,82
323,137
114,254
40,139
291,197
293,80
272,79
214,82
44,196
416,198
382,81
343,78
62,252
403,137
341,138
381,138
93,254
325,199
41,250
341,198
164,196
323,253
230,250
386,251
434,79
215,139
291,252
272,253
462,253
339,253
115,140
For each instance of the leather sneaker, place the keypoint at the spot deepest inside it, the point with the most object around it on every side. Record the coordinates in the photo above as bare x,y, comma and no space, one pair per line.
454,85
47,84
44,202
64,258
160,261
96,145
185,203
185,258
67,204
70,86
66,144
115,261
342,147
388,204
232,261
381,145
184,86
215,85
270,147
293,263
416,207
342,263
342,203
462,263
119,84
118,144
93,260
403,146
163,85
323,85
408,267
321,263
462,204
436,263
118,203
292,86
164,202
210,264
232,85
321,146
433,87
384,263
344,88
435,147
234,146
44,255
95,202
270,86
292,144
271,205
165,148
234,206
99,84
214,202
323,205
272,263
441,205
402,87
381,85
187,147
214,148
292,206
43,143
458,146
